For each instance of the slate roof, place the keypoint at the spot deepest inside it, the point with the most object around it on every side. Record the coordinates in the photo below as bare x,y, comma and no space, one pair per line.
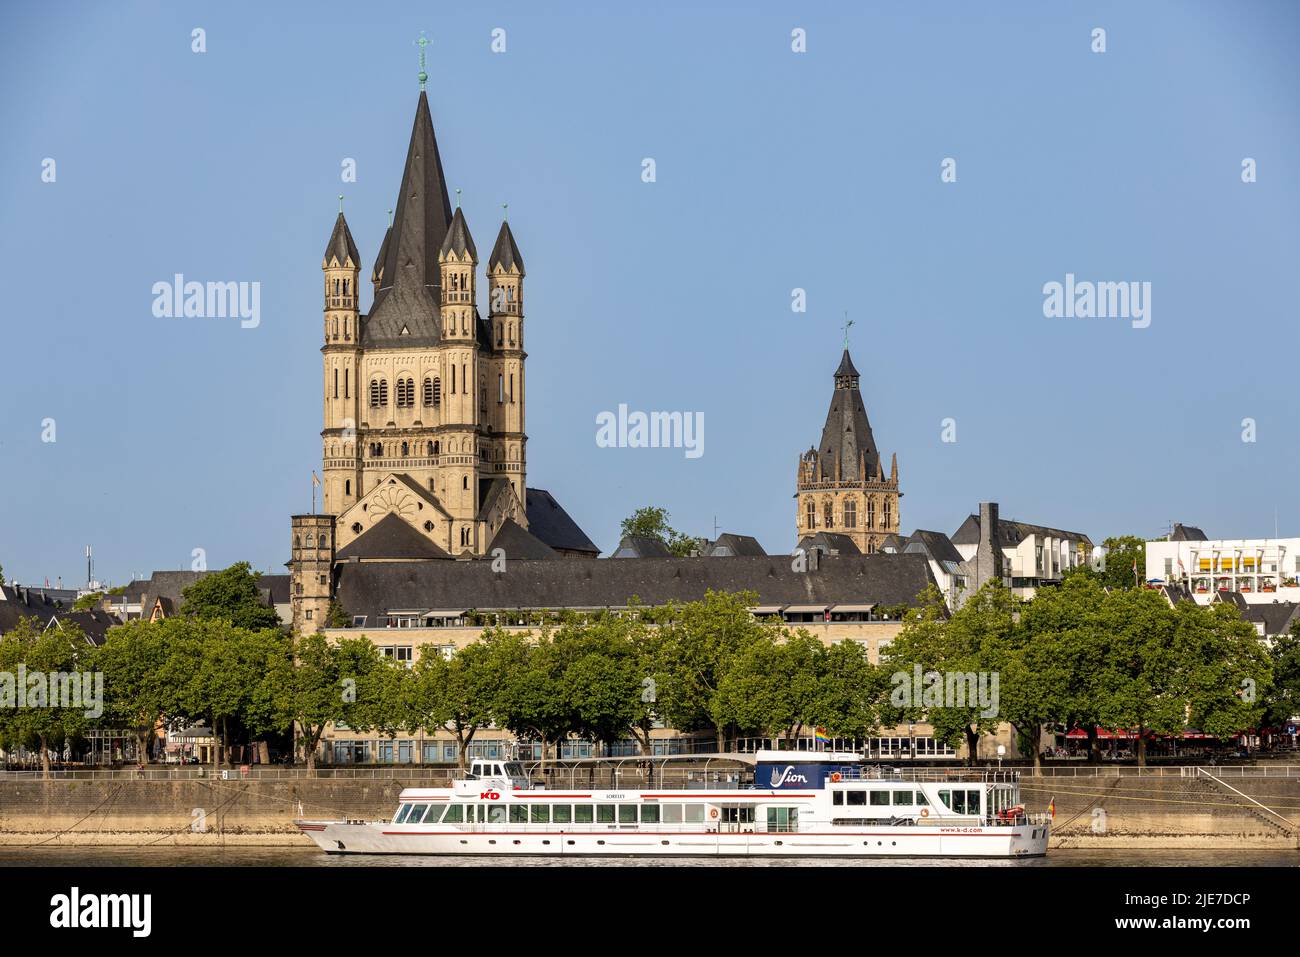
409,287
1187,533
168,586
391,538
458,240
275,589
373,589
1276,617
847,431
505,253
20,603
519,545
829,542
641,546
1010,532
727,545
378,270
1234,598
548,521
93,624
341,246
938,545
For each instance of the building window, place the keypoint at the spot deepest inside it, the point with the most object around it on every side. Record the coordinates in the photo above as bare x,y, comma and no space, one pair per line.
828,513
347,487
850,514
308,615
336,383
871,513
812,515
428,392
886,524
406,449
501,389
378,393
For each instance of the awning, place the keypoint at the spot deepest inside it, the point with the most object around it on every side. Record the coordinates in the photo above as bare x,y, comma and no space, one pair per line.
805,609
439,613
851,608
767,610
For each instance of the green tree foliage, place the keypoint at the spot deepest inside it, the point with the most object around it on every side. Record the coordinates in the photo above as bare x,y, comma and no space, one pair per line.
49,717
230,594
652,522
1126,558
133,658
88,602
1283,700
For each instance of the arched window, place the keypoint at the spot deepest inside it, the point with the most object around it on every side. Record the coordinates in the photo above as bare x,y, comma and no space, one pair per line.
428,391
871,513
336,383
406,449
812,514
437,390
347,487
430,452
501,388
885,510
850,514
828,513
378,393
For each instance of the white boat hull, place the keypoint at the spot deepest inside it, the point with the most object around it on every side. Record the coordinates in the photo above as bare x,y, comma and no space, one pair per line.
1027,840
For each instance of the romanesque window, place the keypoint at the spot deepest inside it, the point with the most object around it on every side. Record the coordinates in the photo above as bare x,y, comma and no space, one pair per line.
347,487
501,389
378,393
512,387
406,449
436,447
346,394
428,391
336,383
431,453
405,393
437,390
850,514
871,513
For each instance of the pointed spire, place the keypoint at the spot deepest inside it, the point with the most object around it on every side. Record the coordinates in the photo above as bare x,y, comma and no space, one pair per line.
341,246
409,275
458,240
846,369
847,442
893,468
505,253
377,274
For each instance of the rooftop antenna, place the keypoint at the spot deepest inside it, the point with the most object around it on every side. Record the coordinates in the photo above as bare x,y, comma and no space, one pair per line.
422,43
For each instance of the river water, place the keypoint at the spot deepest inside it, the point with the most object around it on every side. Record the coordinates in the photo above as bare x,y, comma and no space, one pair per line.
311,857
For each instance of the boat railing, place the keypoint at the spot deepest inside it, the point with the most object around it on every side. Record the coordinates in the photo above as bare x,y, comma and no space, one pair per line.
925,775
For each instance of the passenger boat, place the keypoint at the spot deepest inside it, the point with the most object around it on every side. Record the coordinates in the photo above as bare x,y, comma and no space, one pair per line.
802,804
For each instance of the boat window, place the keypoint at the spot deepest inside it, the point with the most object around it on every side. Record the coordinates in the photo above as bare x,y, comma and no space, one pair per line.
496,769
650,814
582,813
453,815
856,797
922,799
672,813
519,814
435,812
402,811
783,819
497,814
693,813
604,814
837,797
514,769
561,813
972,802
417,812
959,802
946,798
902,797
541,814
627,814
879,798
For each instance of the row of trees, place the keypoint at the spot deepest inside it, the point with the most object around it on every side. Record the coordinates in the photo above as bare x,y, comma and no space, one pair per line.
1079,656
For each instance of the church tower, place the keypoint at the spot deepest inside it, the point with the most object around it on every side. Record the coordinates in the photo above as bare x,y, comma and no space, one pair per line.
342,267
424,398
841,484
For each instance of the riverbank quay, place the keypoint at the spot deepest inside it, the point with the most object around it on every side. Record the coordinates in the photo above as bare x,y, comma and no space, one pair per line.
1247,806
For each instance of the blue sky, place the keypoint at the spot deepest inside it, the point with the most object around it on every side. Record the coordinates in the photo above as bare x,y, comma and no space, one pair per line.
775,171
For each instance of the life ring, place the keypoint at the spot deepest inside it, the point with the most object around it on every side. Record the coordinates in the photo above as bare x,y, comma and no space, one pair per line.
713,812
925,812
835,775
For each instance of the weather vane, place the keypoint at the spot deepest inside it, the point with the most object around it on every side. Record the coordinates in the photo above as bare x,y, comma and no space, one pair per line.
422,43
848,323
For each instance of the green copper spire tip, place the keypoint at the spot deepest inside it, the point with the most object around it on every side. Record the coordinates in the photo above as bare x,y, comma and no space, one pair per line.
390,219
340,202
848,324
505,212
422,43
458,199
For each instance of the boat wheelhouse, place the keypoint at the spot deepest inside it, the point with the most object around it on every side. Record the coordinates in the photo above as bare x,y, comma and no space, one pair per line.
800,805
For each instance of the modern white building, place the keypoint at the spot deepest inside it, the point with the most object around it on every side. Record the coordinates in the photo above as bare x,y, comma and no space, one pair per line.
1261,570
1031,556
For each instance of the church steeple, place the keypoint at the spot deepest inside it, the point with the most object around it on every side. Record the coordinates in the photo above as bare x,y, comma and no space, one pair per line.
409,277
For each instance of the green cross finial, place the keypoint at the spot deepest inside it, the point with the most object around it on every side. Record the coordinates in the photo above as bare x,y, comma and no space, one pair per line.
848,323
505,212
422,43
340,202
